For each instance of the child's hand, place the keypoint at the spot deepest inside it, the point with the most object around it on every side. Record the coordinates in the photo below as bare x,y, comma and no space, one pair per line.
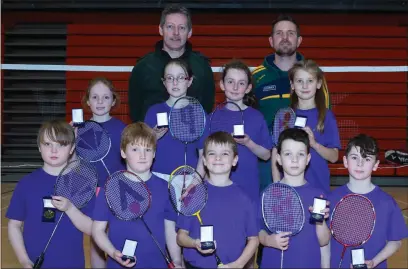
207,251
370,264
311,136
326,211
278,241
160,132
243,141
117,255
61,203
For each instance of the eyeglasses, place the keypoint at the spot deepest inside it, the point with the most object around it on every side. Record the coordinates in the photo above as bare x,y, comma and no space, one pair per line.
180,79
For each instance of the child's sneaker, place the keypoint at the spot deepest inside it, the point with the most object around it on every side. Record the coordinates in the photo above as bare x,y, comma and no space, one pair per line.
396,157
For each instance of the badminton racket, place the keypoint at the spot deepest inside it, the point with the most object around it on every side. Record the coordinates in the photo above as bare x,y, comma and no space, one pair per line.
195,196
93,142
129,199
282,210
187,121
284,119
352,221
77,182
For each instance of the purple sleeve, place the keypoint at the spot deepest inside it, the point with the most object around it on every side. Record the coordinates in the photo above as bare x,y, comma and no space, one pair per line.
169,212
16,209
397,229
101,211
331,132
251,225
183,222
264,138
89,208
150,118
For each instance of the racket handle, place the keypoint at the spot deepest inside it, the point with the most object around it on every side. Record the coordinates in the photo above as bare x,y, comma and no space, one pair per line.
342,256
341,260
38,263
171,265
219,262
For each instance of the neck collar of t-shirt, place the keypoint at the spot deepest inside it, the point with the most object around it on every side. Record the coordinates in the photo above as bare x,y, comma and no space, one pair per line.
365,194
306,184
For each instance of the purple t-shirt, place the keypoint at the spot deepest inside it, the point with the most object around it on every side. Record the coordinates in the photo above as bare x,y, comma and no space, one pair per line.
317,173
26,205
246,173
389,226
113,160
233,217
170,151
304,248
147,253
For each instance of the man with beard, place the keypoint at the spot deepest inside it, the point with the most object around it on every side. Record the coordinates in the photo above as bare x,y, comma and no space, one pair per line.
272,87
271,82
146,87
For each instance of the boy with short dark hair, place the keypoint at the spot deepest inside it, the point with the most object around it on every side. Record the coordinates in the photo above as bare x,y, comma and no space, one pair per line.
361,159
303,249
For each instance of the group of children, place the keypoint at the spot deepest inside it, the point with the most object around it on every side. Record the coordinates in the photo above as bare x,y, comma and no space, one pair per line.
229,167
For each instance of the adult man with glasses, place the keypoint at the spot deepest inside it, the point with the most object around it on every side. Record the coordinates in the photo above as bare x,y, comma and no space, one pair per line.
145,84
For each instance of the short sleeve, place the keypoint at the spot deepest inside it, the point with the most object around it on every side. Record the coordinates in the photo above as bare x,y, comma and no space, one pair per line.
251,225
184,222
264,138
101,211
169,212
397,229
89,208
331,132
17,208
150,118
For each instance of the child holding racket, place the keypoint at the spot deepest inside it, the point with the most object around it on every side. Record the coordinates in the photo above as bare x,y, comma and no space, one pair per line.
303,249
101,97
308,100
236,83
361,159
32,207
138,145
228,209
177,78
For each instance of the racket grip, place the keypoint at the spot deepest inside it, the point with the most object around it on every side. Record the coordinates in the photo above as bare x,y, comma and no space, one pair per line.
170,265
219,262
38,263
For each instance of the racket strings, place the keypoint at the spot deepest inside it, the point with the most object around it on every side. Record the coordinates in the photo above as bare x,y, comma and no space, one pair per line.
77,182
92,142
187,120
353,220
284,119
195,195
127,195
282,209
